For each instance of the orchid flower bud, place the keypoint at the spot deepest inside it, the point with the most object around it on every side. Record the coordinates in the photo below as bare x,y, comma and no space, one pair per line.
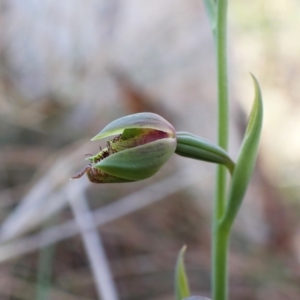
142,143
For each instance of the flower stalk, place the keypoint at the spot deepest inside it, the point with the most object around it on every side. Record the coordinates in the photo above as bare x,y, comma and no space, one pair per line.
220,236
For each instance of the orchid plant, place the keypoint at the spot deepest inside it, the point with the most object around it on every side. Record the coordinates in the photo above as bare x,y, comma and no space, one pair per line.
142,143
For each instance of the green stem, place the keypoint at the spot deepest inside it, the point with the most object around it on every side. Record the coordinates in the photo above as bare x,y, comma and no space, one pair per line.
222,74
45,269
220,236
220,251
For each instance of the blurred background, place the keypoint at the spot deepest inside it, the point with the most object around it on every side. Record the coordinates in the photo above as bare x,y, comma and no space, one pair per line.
67,68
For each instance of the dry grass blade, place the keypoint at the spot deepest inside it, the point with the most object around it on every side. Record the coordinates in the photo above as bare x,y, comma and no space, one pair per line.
43,200
124,206
93,245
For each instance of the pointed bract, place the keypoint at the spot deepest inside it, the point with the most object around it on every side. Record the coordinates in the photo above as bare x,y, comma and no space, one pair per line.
246,159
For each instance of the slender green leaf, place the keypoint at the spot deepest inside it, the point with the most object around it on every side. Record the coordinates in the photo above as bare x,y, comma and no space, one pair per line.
45,267
182,289
211,9
192,146
246,160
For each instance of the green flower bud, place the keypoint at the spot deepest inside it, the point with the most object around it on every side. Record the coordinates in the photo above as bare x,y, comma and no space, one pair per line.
143,142
192,146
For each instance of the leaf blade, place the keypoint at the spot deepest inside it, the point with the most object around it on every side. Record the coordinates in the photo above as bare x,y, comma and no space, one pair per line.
211,9
182,289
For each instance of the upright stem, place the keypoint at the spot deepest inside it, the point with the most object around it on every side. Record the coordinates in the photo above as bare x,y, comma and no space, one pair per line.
221,45
220,235
220,251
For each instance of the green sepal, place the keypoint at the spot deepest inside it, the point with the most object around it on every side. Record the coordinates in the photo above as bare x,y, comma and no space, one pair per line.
182,289
140,162
246,160
139,120
192,146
